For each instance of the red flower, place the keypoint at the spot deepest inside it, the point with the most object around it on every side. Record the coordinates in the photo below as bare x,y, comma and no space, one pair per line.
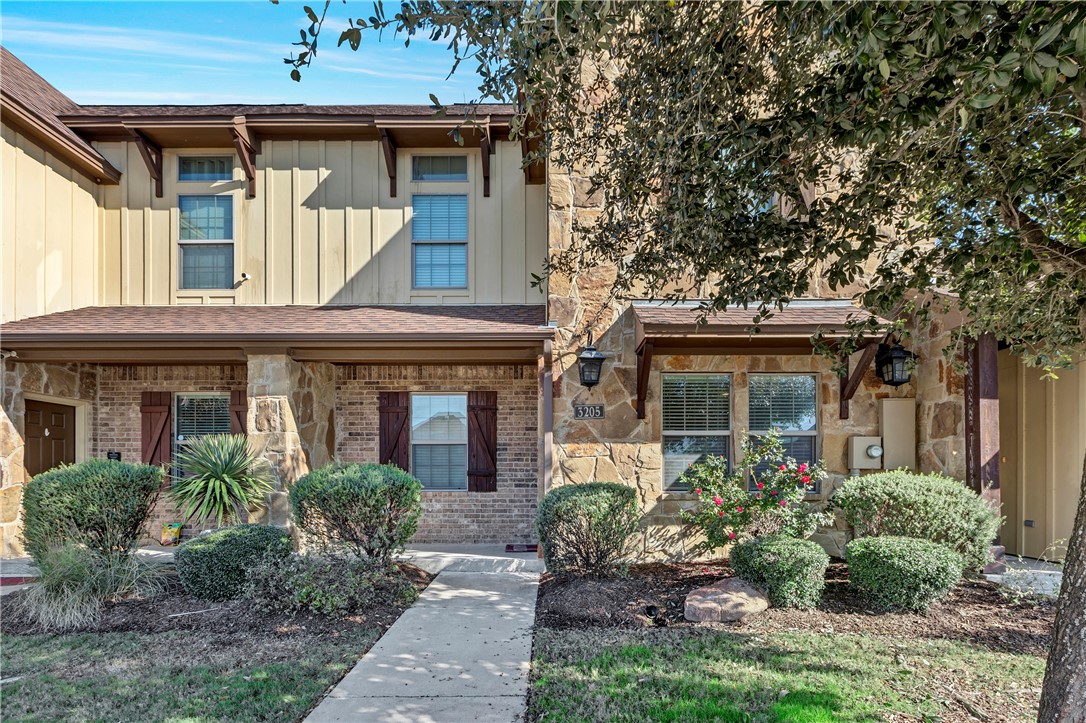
720,513
784,503
718,501
783,467
738,509
761,485
804,479
697,491
731,535
803,467
774,493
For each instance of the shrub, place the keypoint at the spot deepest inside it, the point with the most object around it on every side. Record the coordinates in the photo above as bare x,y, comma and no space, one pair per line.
76,581
928,507
792,571
586,528
223,476
729,509
99,503
902,573
214,566
327,586
371,510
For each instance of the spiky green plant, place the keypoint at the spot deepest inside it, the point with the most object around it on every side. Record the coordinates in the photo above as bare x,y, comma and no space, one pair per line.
220,476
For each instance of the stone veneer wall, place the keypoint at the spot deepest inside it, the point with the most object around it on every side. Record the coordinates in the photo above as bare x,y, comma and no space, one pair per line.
505,516
624,449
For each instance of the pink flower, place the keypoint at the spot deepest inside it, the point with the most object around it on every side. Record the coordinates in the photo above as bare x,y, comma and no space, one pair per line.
804,479
718,501
803,467
761,485
783,467
697,491
774,493
784,503
731,535
738,509
720,513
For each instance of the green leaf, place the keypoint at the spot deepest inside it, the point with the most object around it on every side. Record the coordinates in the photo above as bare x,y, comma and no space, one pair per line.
1048,36
884,69
312,15
983,101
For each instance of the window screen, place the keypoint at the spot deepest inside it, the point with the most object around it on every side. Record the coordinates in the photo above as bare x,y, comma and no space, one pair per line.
205,168
439,440
439,168
206,218
789,404
436,221
696,422
206,265
441,265
439,218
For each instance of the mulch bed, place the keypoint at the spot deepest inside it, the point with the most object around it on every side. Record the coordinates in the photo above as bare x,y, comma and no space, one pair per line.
175,610
974,612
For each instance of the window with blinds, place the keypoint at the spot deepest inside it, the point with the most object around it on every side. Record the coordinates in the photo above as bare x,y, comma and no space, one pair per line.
205,233
196,415
205,168
696,422
439,440
437,221
439,168
787,403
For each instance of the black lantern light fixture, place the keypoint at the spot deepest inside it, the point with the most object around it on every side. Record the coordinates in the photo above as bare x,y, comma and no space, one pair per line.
590,365
894,364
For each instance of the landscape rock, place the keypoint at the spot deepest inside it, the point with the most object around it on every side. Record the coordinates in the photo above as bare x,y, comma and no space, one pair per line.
725,601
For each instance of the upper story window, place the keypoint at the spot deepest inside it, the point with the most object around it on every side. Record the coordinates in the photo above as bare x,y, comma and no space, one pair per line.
439,440
696,422
206,237
439,168
205,168
789,404
439,235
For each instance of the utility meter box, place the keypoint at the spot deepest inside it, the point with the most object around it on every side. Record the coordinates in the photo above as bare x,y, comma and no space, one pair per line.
864,453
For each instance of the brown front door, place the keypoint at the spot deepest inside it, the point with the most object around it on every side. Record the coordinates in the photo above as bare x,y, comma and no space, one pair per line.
50,436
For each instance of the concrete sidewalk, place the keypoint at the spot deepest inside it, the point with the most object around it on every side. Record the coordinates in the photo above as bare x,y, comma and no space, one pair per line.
461,653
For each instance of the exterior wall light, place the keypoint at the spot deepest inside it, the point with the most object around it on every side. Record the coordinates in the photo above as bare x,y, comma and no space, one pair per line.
894,364
590,365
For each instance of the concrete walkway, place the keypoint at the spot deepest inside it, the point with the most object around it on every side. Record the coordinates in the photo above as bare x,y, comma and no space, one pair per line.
461,653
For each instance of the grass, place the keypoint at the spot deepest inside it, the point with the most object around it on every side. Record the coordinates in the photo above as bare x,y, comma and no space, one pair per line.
172,676
680,676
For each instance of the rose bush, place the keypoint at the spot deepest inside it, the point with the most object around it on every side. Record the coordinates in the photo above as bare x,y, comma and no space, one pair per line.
761,495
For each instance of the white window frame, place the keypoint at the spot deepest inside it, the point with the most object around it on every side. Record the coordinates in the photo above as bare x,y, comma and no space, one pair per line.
411,442
181,243
229,156
815,433
725,434
465,242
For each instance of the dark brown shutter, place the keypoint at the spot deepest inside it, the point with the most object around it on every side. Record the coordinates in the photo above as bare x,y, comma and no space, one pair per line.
393,443
156,410
239,408
482,441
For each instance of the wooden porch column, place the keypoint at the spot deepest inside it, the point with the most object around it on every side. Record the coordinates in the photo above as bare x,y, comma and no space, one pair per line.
982,418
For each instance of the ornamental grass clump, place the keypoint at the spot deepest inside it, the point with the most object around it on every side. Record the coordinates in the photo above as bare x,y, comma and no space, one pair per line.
902,573
215,566
221,477
366,510
762,495
587,529
925,506
791,571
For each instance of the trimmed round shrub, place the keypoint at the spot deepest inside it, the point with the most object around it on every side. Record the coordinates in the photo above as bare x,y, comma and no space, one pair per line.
791,571
214,566
100,503
586,528
902,573
326,586
925,506
371,510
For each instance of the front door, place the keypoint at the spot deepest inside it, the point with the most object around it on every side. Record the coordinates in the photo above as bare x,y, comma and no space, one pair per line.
50,436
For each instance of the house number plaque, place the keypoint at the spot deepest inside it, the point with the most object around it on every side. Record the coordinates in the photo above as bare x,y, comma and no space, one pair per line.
588,411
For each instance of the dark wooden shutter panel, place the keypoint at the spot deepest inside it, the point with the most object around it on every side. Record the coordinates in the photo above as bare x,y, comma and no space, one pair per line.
156,410
239,409
482,441
393,442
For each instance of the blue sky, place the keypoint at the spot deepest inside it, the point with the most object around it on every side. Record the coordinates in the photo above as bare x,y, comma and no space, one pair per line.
199,51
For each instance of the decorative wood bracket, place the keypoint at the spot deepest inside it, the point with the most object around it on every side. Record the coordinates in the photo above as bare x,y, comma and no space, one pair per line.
247,147
644,365
850,382
487,149
389,147
152,156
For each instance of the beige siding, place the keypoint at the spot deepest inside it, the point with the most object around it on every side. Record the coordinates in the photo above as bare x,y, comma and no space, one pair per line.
49,232
323,228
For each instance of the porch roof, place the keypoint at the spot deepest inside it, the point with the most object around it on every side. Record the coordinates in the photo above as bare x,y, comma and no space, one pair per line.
193,334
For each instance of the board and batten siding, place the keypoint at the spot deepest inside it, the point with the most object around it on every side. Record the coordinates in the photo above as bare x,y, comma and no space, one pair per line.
322,229
49,232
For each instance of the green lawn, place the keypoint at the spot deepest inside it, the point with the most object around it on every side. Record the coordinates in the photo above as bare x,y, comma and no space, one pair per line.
173,676
693,675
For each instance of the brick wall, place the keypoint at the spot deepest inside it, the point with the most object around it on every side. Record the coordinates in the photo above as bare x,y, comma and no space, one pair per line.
505,516
116,417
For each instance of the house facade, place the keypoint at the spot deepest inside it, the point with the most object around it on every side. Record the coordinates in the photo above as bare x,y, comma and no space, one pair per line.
347,283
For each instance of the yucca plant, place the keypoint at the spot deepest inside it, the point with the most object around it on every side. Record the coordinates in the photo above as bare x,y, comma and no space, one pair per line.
220,477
